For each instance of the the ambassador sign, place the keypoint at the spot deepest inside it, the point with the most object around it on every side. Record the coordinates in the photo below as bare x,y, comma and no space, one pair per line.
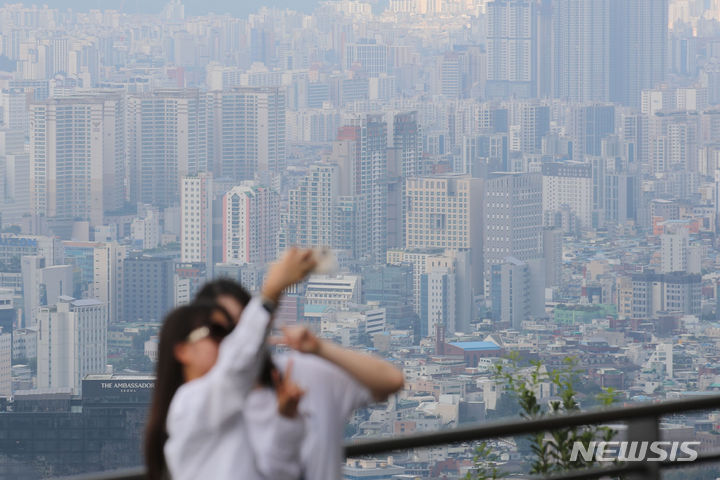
126,387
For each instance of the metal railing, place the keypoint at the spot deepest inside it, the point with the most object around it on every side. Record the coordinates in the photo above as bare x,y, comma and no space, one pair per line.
643,424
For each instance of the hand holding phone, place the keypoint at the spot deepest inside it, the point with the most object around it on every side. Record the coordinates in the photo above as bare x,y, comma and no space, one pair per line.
325,261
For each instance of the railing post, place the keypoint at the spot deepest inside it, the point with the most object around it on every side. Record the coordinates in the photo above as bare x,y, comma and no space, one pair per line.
645,429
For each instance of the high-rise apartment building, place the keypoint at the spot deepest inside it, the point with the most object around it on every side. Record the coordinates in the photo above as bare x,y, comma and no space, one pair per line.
638,48
14,102
391,286
442,281
407,140
312,208
370,56
77,157
15,188
404,160
512,209
622,195
196,228
567,184
248,132
532,122
43,284
366,167
8,312
6,345
72,342
250,224
446,212
677,254
14,177
167,140
673,142
512,68
588,125
438,302
483,154
581,50
108,261
676,292
148,288
552,252
517,290
452,75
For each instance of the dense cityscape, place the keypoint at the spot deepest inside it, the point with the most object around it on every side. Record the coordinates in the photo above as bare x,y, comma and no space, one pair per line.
508,186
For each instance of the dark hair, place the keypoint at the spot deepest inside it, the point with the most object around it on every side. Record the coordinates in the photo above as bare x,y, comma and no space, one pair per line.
177,326
224,286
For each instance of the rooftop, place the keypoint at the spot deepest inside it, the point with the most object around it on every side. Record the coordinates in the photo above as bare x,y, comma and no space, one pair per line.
476,346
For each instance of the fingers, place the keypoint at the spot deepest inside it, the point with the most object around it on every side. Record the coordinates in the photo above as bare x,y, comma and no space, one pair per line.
276,379
306,262
288,371
289,395
307,257
288,337
276,340
294,265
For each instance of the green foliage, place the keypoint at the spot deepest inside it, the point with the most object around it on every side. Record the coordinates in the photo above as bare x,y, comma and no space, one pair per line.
486,464
550,451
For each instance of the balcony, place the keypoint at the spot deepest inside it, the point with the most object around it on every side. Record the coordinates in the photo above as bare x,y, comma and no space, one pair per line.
643,424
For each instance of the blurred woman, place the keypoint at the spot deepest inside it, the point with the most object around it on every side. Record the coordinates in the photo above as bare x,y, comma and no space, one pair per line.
197,427
335,380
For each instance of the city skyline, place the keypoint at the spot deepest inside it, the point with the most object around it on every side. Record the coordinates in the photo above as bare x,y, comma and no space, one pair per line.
501,182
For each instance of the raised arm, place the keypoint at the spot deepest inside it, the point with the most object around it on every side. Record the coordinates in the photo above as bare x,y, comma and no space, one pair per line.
238,360
206,403
380,377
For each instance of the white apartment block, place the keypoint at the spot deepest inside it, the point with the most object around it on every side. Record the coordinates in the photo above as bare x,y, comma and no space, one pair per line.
567,184
72,342
446,212
312,208
422,261
77,156
196,219
676,252
441,286
438,301
108,261
513,218
166,141
248,131
250,224
5,364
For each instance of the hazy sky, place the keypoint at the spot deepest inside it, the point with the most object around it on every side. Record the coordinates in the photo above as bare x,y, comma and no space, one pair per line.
192,7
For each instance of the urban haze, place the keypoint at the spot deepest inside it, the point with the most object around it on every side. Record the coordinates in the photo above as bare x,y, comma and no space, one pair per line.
522,195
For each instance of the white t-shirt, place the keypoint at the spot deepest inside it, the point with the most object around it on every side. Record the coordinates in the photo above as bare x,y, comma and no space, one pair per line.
208,435
331,395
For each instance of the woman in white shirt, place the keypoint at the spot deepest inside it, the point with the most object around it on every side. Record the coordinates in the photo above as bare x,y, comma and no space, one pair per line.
335,380
197,427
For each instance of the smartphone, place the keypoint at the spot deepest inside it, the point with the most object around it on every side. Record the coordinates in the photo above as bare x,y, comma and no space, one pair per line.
325,261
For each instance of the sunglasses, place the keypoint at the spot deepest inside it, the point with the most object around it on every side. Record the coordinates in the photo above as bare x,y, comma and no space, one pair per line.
214,331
